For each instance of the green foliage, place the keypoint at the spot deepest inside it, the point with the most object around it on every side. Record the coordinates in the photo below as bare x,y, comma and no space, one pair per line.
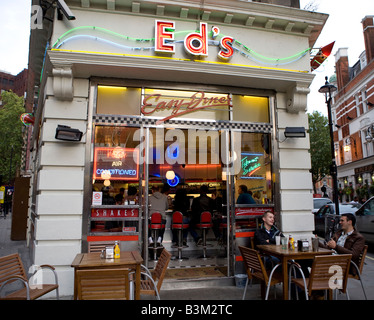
320,151
11,127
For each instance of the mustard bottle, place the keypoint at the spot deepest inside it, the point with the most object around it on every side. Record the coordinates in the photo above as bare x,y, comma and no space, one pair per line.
117,250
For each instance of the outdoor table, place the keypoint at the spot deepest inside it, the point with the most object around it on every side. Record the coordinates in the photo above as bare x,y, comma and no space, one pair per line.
284,255
128,259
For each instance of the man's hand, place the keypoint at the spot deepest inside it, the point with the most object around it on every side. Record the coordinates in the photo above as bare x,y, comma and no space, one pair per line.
331,244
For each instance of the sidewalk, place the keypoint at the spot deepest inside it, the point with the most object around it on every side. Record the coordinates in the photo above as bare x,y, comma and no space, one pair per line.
8,246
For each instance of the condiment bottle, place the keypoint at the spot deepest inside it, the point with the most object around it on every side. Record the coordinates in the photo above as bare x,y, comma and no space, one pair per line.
117,251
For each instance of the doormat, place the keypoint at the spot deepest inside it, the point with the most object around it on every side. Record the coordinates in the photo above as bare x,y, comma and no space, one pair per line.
193,273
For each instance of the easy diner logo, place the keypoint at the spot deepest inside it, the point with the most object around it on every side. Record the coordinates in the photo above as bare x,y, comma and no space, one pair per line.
197,101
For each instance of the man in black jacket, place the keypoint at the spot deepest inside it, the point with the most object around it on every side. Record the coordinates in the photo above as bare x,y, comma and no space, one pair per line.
267,231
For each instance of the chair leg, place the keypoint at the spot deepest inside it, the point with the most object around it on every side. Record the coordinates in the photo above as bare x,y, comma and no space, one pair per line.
269,281
362,285
180,244
245,289
204,243
292,268
155,233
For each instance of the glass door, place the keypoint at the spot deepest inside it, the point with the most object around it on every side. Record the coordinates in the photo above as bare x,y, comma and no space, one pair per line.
188,164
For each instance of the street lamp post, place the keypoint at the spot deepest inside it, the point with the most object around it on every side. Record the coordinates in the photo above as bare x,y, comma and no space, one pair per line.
327,89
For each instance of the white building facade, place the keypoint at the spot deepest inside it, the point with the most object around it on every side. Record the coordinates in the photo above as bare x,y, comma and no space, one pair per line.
226,50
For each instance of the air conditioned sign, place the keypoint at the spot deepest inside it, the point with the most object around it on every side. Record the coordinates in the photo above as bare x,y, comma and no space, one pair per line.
120,163
195,43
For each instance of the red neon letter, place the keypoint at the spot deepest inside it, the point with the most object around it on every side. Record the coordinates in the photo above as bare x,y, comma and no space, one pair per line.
197,43
161,35
227,50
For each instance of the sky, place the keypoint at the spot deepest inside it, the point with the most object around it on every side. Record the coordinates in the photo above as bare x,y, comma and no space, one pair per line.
343,26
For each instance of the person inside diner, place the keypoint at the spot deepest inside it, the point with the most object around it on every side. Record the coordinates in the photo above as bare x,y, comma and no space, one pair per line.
159,203
199,205
181,204
244,197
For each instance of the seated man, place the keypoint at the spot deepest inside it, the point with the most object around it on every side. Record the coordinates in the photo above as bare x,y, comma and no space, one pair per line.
267,231
266,235
347,240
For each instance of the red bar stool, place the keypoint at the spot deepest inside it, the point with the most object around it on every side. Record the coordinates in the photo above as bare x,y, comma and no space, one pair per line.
156,225
177,224
204,225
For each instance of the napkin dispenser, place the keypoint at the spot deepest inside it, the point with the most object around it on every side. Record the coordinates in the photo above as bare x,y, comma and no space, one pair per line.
303,245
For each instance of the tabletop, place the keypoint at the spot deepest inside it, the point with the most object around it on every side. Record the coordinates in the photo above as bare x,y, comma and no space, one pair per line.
277,251
93,259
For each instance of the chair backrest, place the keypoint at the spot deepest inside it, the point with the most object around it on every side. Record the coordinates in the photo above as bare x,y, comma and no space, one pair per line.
98,246
10,266
253,263
361,259
103,284
329,272
177,217
159,272
206,217
156,218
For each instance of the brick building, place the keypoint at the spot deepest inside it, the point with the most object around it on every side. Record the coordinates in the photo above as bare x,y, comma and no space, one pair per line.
15,83
353,113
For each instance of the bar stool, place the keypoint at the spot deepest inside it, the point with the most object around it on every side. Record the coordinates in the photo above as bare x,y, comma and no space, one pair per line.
156,225
204,225
178,224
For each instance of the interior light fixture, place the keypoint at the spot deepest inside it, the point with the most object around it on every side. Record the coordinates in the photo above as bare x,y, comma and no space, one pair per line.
295,132
170,175
68,134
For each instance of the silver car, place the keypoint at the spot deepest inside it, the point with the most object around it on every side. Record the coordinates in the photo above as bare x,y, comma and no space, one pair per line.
365,220
325,220
319,202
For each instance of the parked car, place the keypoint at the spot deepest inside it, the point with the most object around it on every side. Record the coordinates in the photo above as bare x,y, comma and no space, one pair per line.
319,202
365,220
325,220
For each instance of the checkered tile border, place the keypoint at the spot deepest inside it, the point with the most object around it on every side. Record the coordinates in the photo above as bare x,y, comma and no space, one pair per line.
233,125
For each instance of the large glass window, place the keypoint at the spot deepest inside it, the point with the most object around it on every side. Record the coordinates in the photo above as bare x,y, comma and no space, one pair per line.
253,166
118,100
115,180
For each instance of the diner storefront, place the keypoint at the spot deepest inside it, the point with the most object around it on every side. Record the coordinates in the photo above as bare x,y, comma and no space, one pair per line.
156,91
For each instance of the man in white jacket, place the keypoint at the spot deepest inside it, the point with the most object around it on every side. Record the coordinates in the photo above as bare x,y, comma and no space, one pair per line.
159,203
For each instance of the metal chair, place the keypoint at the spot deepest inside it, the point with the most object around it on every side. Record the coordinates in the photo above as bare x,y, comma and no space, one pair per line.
205,224
12,270
327,273
103,284
152,283
178,224
358,269
255,269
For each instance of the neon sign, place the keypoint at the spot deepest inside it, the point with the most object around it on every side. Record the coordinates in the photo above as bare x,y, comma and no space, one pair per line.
250,164
195,43
121,163
197,101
